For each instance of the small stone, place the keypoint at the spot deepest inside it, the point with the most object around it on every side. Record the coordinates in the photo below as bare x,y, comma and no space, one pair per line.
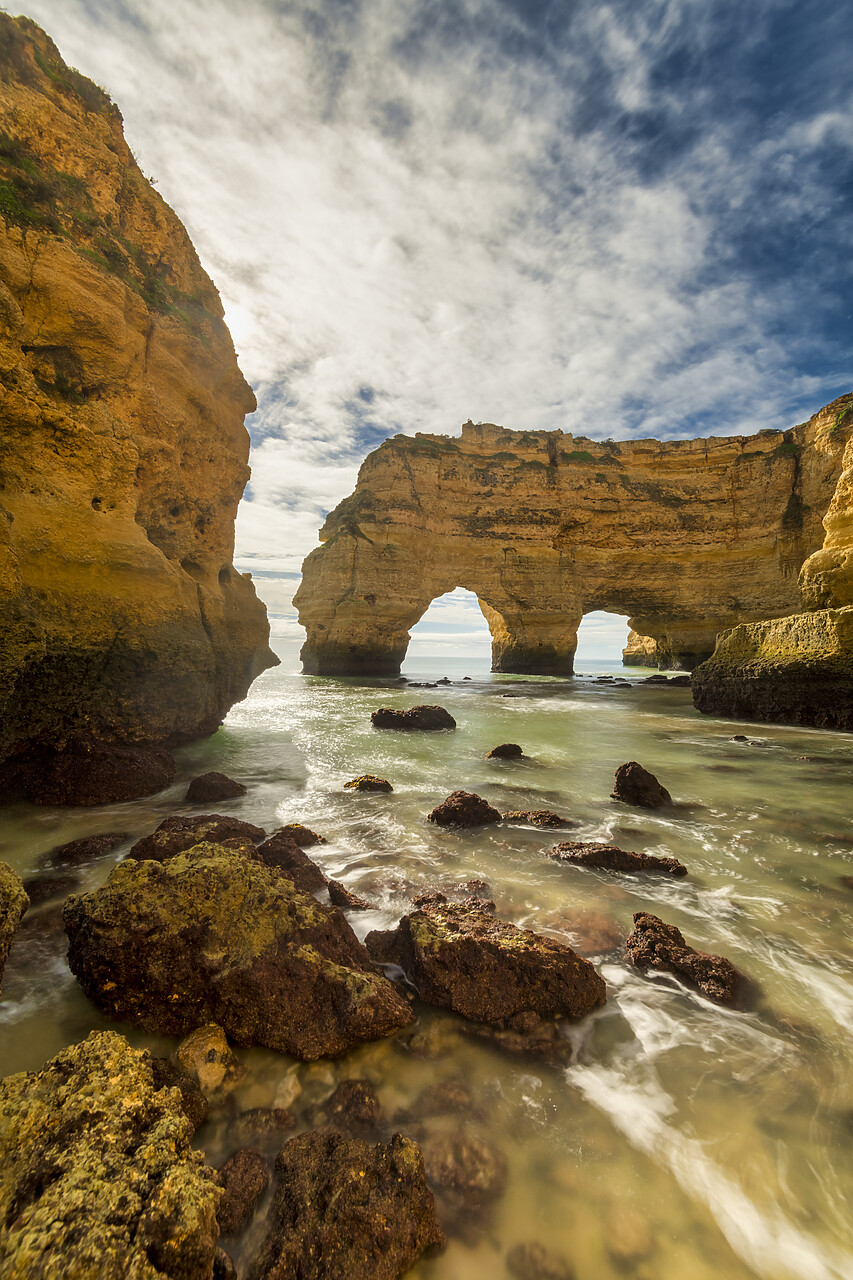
208,788
204,1056
534,1262
368,782
506,751
606,857
424,718
287,1091
738,737
538,818
244,1178
340,896
464,809
635,785
655,945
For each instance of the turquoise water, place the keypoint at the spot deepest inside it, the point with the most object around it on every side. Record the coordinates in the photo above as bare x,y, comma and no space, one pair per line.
684,1141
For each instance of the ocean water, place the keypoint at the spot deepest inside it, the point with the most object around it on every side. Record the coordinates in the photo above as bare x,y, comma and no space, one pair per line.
683,1141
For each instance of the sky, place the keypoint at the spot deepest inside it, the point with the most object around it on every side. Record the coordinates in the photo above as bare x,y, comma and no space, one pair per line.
626,218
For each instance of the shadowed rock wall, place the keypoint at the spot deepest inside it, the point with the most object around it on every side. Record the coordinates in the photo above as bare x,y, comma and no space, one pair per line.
123,454
687,537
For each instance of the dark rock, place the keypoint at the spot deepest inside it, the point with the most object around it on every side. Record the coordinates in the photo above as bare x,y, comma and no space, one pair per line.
207,788
506,751
260,1124
43,888
426,718
77,852
343,1210
193,1102
538,818
655,945
205,1057
679,682
302,836
534,1262
606,857
528,1035
99,1178
353,1108
223,1267
340,896
591,933
463,809
13,904
210,936
452,1096
658,679
176,835
462,958
738,737
635,785
846,882
282,854
368,782
460,892
468,1177
98,773
244,1178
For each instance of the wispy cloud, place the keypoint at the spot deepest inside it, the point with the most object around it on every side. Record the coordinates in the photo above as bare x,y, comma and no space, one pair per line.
616,218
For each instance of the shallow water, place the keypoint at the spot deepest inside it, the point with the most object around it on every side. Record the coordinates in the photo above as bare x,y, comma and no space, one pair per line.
684,1140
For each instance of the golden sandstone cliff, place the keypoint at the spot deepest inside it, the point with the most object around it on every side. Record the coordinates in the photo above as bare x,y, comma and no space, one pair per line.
688,537
123,456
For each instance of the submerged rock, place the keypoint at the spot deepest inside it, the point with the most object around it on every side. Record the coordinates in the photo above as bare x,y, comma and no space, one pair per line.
176,835
655,945
244,1179
353,1108
426,718
468,1177
635,785
13,904
538,818
606,857
46,888
343,1210
210,936
207,788
77,852
368,782
97,1177
281,853
462,958
302,836
506,751
262,1124
535,1262
340,896
463,809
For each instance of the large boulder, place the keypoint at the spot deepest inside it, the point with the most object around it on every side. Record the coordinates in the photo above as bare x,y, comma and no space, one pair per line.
212,936
343,1210
461,957
607,857
655,945
635,785
13,903
426,718
97,1177
208,788
176,835
464,809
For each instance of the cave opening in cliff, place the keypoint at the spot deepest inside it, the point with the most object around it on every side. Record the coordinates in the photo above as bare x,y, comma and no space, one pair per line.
452,633
601,638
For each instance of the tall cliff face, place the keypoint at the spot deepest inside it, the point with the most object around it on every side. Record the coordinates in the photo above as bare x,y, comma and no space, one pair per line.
688,537
123,454
798,669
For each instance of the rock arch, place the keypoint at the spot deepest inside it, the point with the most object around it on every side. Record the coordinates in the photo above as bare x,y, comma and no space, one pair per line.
685,537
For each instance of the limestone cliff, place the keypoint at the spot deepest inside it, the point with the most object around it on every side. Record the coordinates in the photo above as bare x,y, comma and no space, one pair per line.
688,537
123,454
798,669
640,651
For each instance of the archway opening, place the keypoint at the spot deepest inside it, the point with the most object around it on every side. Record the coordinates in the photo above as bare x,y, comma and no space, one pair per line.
451,639
601,639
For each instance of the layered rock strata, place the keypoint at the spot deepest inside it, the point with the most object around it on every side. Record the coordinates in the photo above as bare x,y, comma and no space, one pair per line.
123,454
97,1177
687,537
798,669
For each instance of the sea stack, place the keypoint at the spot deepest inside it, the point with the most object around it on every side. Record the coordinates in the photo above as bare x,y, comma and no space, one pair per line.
124,454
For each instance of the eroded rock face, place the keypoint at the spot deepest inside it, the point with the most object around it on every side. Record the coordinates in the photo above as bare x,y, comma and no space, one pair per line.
126,627
461,957
97,1177
607,857
13,903
655,945
213,936
343,1210
544,527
